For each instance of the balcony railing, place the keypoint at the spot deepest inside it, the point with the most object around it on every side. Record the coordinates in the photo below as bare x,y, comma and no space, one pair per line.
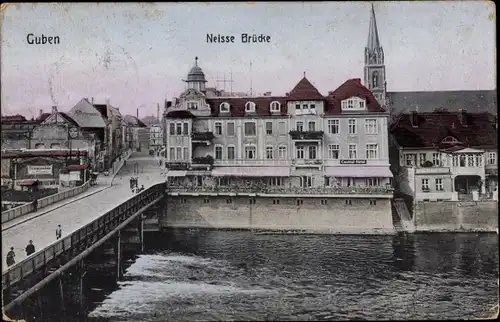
176,165
202,136
204,160
432,170
252,162
306,135
305,162
265,189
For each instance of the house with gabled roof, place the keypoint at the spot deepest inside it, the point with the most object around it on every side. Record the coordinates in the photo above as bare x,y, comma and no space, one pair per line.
444,155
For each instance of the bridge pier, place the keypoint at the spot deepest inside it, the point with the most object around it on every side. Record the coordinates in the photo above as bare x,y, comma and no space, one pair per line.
118,256
61,294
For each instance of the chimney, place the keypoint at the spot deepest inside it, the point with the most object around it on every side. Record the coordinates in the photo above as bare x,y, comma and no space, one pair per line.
92,100
462,116
158,112
54,109
169,103
41,112
414,118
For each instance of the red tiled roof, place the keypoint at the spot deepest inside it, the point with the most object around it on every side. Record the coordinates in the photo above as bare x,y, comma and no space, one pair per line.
35,153
350,88
304,90
237,105
434,127
74,167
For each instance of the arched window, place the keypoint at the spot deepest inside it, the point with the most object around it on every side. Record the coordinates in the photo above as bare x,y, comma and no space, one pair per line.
250,107
224,107
275,106
375,79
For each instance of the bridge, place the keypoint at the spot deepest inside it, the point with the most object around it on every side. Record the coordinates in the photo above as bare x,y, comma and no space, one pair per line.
112,218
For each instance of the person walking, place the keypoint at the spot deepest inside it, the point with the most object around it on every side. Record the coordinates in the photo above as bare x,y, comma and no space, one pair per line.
58,232
30,249
35,205
11,257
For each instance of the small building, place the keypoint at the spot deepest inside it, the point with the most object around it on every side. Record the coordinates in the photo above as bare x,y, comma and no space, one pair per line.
155,138
444,155
73,175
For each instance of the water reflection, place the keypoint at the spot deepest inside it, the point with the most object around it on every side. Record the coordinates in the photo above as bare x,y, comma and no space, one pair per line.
404,251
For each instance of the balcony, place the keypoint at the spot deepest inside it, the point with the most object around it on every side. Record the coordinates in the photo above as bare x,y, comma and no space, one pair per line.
263,189
306,136
252,162
307,163
176,165
203,162
202,137
432,170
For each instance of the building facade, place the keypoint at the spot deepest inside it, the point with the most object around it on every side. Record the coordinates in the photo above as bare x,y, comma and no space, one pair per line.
446,155
156,138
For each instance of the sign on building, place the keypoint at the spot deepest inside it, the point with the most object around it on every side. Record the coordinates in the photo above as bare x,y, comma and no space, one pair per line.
5,168
39,169
352,161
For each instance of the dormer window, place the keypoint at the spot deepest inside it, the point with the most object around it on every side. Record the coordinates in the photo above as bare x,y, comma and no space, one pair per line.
224,107
450,140
250,107
353,104
275,106
192,106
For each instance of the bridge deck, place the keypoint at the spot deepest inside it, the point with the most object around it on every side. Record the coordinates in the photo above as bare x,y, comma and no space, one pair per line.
77,214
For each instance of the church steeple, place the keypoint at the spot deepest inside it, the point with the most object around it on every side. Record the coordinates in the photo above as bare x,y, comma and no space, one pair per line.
374,62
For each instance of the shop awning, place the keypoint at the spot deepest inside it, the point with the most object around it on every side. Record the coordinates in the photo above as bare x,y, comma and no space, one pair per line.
251,172
359,172
28,183
176,173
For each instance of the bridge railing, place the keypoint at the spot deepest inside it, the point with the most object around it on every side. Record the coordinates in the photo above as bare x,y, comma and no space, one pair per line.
79,240
10,214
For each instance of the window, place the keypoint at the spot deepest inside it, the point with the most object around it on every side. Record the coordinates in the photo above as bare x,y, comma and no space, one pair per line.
230,152
462,160
269,153
455,161
312,107
178,127
55,146
230,129
439,185
276,201
333,151
185,128
282,152
372,182
361,104
192,106
351,182
305,106
206,200
299,126
324,201
333,126
250,107
300,202
300,152
353,151
229,201
371,126
371,151
276,181
185,153
352,126
172,129
348,202
312,152
306,181
250,129
479,160
350,103
311,126
470,160
435,159
224,181
218,152
425,184
250,153
252,201
373,202
422,157
282,128
224,107
178,154
492,158
269,128
297,107
218,128
408,160
275,107
172,154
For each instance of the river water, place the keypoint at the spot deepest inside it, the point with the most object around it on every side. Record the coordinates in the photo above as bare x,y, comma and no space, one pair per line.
235,275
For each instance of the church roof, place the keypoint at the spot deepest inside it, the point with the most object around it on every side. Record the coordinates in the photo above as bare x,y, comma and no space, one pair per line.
304,90
472,101
196,73
373,40
433,127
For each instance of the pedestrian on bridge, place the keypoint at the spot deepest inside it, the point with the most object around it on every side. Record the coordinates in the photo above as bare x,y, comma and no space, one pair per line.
30,249
58,232
35,205
10,257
